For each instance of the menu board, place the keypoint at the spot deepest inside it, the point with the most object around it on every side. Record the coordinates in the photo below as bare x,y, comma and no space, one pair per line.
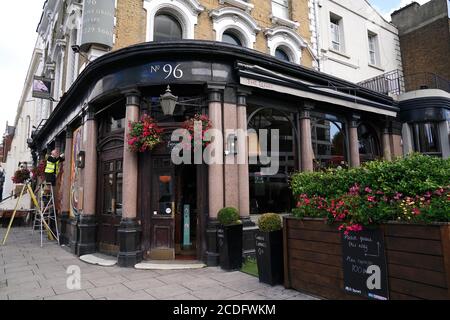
364,263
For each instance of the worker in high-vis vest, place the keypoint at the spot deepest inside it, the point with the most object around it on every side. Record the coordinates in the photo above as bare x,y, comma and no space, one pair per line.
52,167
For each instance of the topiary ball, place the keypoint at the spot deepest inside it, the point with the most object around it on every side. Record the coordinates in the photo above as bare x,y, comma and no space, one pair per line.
270,222
228,216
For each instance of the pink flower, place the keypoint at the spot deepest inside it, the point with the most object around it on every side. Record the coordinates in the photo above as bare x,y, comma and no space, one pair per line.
416,211
368,190
398,196
371,199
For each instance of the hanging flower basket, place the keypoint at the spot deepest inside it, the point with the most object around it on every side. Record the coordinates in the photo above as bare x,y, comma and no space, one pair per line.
21,176
39,171
206,125
144,134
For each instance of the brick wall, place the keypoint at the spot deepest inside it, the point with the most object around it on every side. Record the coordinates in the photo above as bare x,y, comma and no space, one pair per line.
427,49
131,23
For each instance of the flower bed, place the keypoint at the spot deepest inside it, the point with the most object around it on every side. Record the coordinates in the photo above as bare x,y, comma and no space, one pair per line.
413,190
408,199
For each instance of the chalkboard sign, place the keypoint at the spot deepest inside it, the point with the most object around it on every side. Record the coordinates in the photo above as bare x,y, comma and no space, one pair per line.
364,262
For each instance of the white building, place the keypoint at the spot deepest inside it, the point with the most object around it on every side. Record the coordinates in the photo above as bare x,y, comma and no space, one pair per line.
352,40
53,58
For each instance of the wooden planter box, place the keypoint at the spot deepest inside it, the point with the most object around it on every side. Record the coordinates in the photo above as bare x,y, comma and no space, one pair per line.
418,259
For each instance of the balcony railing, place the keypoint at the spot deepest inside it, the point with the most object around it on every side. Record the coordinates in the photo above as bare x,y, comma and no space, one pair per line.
395,83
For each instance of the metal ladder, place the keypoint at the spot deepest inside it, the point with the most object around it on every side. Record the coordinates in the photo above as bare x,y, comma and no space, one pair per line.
48,211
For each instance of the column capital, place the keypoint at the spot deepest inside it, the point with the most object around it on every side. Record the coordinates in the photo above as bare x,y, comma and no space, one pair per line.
132,96
396,128
387,125
214,95
305,111
69,132
355,120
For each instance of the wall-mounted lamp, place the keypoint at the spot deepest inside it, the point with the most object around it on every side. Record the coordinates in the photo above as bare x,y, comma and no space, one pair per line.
168,102
81,159
231,145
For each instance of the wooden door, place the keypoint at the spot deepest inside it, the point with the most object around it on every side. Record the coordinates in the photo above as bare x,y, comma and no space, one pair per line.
163,209
110,199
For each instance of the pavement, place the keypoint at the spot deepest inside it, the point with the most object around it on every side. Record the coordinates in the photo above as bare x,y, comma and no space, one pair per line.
29,272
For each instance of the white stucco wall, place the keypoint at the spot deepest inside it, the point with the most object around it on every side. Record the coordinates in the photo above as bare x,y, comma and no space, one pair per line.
358,18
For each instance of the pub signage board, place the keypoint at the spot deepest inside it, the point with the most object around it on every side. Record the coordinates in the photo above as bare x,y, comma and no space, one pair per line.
364,263
98,23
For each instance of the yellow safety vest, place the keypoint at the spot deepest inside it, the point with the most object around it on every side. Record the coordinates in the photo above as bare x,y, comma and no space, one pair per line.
52,167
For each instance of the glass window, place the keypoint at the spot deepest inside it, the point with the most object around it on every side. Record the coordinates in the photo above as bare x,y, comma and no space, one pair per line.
231,38
280,8
272,193
336,32
281,54
328,141
369,147
112,187
167,28
373,48
426,138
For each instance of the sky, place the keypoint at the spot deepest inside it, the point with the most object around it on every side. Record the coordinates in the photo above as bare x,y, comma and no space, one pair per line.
18,22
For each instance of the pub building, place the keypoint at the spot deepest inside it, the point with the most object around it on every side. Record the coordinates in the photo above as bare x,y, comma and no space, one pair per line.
140,205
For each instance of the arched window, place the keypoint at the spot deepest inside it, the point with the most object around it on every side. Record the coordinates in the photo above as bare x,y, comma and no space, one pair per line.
369,147
240,23
231,38
167,28
281,54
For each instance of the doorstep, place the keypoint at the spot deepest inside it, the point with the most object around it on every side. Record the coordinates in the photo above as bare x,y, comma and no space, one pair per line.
170,265
99,260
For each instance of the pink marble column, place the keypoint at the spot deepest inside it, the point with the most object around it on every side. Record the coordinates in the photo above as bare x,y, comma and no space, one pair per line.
355,160
231,174
396,140
215,171
90,169
65,209
386,143
307,153
130,159
243,171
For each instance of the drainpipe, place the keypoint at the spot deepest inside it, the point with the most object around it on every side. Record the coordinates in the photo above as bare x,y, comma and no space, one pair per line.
316,17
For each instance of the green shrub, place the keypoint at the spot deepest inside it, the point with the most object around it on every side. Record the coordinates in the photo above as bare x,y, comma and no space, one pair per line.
415,174
415,189
269,222
228,216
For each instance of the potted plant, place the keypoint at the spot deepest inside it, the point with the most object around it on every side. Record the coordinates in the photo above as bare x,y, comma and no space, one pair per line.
269,249
230,239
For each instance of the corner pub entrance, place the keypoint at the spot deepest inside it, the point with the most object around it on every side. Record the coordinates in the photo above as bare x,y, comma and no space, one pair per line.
141,205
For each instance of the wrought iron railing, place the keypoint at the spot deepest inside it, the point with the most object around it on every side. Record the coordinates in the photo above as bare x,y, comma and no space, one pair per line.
395,83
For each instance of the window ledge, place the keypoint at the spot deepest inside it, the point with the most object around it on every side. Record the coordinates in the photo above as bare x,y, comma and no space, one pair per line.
284,22
342,54
242,4
376,67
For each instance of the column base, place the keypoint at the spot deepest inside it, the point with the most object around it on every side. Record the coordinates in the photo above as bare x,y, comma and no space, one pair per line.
63,221
212,248
72,233
130,252
87,229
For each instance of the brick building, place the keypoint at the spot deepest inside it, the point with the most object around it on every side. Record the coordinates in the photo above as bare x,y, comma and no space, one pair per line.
424,32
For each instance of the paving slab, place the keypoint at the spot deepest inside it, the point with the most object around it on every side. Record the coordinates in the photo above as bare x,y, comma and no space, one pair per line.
168,291
29,272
